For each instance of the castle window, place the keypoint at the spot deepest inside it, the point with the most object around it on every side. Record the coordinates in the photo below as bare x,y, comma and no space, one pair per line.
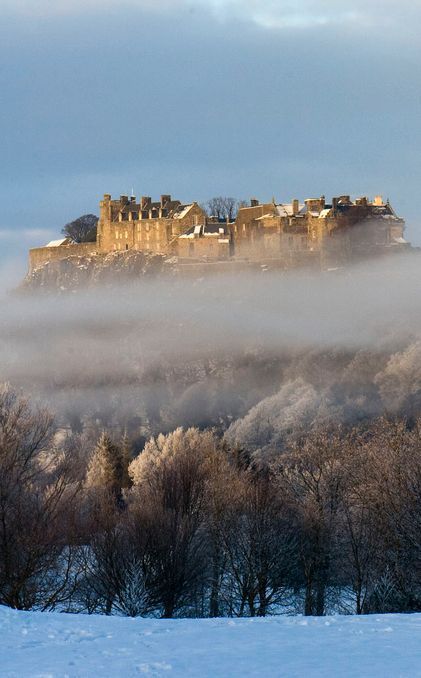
127,247
125,235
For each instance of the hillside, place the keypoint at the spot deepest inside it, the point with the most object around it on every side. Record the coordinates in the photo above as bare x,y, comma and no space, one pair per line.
75,272
45,644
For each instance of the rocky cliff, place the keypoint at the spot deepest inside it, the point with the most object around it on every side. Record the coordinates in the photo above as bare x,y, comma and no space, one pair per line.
76,272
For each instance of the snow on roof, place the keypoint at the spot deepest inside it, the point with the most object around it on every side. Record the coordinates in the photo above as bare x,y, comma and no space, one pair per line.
287,209
266,216
324,213
185,209
58,243
401,241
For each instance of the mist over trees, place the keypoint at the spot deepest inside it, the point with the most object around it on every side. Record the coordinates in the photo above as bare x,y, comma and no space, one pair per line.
174,450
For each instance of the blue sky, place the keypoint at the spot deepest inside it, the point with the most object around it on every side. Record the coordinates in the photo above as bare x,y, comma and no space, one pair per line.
203,97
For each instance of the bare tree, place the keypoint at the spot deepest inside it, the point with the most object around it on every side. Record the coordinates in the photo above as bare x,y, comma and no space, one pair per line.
36,509
313,478
258,533
223,208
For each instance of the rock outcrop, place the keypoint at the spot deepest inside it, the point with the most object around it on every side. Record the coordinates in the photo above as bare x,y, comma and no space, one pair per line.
76,272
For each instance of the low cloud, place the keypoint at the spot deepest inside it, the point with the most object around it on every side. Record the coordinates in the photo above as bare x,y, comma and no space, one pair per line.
183,347
28,235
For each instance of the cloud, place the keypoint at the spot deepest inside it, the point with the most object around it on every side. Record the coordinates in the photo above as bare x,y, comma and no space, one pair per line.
270,14
28,235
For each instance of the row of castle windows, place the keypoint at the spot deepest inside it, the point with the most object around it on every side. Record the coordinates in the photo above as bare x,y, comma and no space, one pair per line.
139,236
140,228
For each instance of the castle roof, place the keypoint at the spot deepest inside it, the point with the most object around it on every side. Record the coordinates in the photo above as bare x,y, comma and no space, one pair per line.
182,211
209,230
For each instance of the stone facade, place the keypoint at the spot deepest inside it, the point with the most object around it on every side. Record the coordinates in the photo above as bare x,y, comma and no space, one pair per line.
294,234
38,256
210,240
125,224
334,233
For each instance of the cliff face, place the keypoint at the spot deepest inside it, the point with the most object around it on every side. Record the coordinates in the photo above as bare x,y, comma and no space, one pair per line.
76,272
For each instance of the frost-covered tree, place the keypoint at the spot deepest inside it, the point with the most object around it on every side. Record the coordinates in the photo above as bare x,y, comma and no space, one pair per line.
400,382
108,468
169,503
273,421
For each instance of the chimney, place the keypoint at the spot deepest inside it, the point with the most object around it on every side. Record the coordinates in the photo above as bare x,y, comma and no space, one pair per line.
322,202
254,202
133,199
124,199
378,201
335,205
107,197
295,207
165,199
145,201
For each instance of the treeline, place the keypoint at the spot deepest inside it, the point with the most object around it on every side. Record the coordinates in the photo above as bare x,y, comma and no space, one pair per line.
195,527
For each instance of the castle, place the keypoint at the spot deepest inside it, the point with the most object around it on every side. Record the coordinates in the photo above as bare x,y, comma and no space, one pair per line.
309,233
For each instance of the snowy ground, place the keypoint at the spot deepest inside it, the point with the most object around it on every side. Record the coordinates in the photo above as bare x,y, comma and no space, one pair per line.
47,645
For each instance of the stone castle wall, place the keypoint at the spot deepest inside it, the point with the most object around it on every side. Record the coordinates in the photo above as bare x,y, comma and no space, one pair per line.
40,255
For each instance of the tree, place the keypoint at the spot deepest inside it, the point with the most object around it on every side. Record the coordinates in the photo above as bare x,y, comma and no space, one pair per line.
259,541
168,504
37,509
82,229
223,208
313,479
108,468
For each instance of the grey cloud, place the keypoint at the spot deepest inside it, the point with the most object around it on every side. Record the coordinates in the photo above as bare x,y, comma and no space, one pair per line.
276,14
174,101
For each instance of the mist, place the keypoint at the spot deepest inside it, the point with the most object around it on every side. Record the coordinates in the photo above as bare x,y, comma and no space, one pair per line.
222,351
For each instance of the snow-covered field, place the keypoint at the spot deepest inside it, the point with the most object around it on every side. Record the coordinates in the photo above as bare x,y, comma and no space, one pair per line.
46,645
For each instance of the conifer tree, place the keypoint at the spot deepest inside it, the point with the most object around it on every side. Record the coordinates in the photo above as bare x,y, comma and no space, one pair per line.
108,467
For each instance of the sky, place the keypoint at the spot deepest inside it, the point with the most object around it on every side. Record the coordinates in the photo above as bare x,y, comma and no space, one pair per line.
198,98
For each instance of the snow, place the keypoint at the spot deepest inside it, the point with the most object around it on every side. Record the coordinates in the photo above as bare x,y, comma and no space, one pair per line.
58,243
55,645
184,212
